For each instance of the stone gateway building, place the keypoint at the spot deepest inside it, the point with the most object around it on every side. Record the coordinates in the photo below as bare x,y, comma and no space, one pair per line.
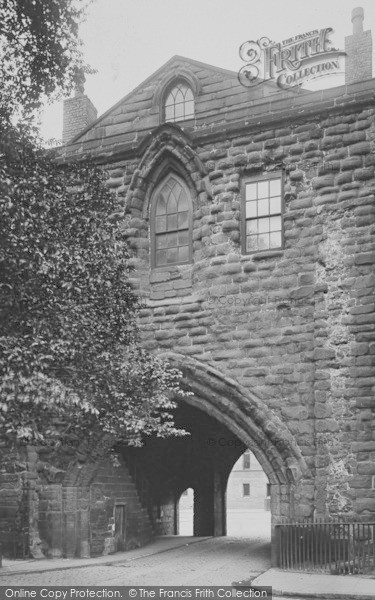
250,216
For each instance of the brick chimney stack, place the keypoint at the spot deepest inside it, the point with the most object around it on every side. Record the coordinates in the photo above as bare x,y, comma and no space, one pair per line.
79,112
358,48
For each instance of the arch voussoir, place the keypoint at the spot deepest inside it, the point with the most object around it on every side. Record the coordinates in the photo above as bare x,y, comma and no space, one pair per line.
245,414
168,148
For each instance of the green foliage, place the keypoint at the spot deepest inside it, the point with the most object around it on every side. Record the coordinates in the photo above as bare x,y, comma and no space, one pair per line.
71,366
40,51
70,359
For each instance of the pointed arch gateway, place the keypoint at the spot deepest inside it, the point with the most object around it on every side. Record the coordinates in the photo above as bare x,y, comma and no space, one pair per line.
246,415
252,422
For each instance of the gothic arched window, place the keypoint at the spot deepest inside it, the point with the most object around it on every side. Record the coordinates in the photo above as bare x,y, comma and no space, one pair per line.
171,222
179,103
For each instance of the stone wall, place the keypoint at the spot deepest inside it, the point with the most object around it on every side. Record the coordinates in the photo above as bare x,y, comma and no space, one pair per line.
295,325
70,514
13,509
277,347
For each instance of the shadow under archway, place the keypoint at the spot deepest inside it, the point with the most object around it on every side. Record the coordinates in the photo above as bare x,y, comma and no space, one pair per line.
224,419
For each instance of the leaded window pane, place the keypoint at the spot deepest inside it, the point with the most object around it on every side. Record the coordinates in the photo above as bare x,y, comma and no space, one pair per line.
275,223
251,209
275,187
263,189
263,207
161,257
172,204
179,97
179,104
189,109
251,227
171,222
183,220
275,239
183,203
160,224
183,252
189,95
183,238
169,112
251,191
263,241
252,243
172,255
161,241
263,225
275,205
161,207
172,225
176,189
172,240
178,112
170,100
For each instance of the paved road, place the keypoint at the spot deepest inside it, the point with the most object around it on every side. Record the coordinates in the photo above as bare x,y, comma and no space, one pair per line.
216,561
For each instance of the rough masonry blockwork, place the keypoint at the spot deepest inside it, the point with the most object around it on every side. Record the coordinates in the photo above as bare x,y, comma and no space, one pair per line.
275,342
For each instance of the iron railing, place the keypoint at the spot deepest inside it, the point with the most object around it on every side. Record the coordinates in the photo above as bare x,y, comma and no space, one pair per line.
336,546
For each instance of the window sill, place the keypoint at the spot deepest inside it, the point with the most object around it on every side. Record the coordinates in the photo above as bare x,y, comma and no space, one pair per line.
266,254
174,267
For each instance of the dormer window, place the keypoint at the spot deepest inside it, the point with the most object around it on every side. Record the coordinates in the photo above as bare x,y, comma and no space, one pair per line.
179,103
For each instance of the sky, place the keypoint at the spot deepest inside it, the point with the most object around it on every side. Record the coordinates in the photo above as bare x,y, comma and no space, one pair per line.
127,40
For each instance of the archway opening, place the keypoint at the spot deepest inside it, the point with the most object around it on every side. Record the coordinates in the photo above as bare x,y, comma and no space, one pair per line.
186,512
184,480
224,420
248,499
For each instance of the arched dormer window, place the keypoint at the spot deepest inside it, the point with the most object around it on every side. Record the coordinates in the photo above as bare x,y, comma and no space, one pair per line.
171,223
179,103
